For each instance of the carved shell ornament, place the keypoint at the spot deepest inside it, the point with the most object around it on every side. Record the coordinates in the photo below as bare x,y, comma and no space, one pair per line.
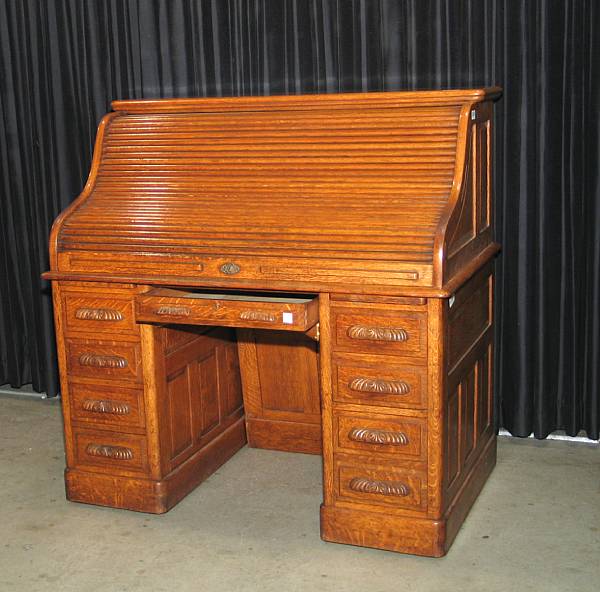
370,436
102,361
174,311
374,385
377,333
106,451
111,407
98,314
364,485
258,315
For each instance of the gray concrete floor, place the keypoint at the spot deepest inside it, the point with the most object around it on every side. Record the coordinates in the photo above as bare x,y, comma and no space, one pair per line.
254,526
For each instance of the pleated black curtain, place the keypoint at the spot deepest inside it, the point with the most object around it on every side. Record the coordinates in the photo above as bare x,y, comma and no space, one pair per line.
63,61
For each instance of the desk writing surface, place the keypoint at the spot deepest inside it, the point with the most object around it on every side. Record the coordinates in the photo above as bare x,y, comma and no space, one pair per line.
277,271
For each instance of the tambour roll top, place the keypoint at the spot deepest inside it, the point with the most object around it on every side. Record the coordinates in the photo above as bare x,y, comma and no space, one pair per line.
354,192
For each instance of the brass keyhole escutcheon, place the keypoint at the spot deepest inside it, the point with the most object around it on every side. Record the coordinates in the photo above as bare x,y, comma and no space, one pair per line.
230,268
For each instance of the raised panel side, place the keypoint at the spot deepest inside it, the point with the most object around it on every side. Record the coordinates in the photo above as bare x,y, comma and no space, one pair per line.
462,226
180,425
207,393
453,407
468,229
281,392
468,407
200,384
230,385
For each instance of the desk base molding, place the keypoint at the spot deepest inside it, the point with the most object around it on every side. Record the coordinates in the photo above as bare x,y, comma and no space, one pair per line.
405,534
378,530
284,435
147,495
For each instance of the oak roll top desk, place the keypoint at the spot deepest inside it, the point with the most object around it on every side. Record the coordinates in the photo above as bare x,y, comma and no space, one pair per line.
302,273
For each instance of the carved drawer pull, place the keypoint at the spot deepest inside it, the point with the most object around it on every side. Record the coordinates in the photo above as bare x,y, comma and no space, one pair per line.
364,485
258,315
377,333
99,314
111,407
369,436
106,451
374,385
173,311
99,361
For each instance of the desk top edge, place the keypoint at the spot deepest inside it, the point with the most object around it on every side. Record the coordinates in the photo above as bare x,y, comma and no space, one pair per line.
326,100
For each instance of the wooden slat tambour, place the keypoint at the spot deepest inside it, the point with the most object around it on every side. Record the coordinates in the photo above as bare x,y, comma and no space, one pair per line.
331,180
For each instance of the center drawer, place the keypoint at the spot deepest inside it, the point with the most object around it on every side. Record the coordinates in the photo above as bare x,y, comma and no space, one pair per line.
288,313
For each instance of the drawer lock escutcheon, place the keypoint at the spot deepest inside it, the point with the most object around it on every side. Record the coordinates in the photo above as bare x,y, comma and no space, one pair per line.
364,485
106,451
99,314
100,361
230,268
173,311
109,407
370,436
384,387
377,333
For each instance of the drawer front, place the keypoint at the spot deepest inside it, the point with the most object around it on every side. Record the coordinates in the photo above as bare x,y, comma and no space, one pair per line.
400,385
98,314
173,306
104,360
114,407
381,486
396,333
404,438
113,452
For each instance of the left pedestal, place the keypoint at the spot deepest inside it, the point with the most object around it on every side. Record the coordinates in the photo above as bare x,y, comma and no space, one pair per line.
149,411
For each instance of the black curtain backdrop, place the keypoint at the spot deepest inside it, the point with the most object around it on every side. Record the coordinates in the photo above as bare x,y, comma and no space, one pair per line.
63,61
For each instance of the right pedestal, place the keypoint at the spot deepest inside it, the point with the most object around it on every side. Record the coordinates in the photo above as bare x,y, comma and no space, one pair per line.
408,427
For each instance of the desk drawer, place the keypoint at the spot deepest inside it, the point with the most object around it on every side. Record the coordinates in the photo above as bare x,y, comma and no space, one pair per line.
228,310
381,486
116,453
402,437
399,385
98,314
104,360
110,407
378,332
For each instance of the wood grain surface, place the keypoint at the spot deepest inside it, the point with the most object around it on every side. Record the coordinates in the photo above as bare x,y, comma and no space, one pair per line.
342,247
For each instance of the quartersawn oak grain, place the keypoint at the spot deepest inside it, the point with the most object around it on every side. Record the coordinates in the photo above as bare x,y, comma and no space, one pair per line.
368,216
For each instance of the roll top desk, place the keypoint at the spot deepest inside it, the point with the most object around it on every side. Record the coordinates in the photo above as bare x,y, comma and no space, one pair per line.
300,273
